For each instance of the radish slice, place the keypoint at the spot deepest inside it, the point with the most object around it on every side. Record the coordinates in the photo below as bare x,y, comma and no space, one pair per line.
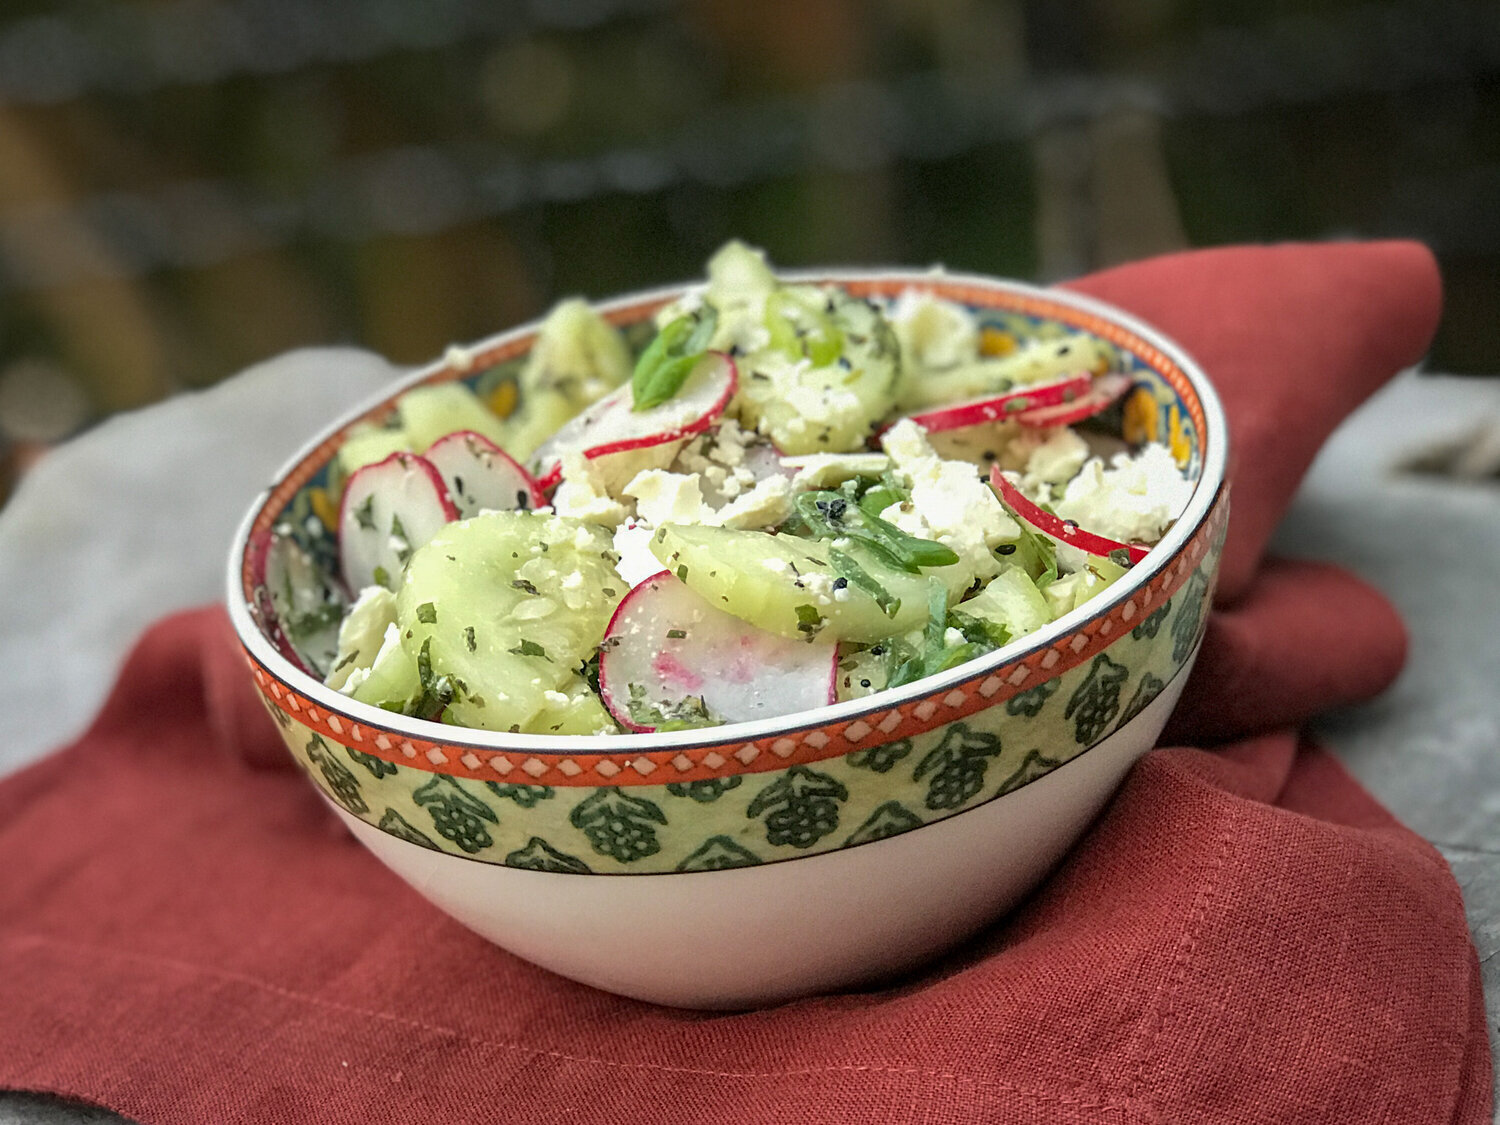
306,605
669,654
480,475
1012,404
1105,391
612,425
262,547
1064,531
389,509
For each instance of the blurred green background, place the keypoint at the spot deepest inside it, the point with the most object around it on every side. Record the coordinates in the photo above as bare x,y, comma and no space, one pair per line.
188,186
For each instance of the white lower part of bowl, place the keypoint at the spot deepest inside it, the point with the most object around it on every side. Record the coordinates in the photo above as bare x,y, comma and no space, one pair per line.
749,936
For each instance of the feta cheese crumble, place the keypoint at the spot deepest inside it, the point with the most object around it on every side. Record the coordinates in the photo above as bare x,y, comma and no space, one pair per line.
949,503
1133,501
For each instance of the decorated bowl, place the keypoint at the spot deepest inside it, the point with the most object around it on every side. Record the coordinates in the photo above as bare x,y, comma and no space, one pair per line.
754,862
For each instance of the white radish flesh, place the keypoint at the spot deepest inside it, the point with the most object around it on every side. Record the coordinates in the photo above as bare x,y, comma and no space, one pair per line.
481,476
613,425
389,510
668,654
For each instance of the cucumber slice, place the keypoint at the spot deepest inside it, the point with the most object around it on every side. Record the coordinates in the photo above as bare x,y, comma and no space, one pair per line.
573,709
428,413
861,673
791,586
391,682
577,359
505,607
1012,600
362,634
828,375
366,447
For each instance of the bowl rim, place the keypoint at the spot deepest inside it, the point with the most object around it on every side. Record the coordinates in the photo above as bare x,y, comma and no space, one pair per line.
1214,445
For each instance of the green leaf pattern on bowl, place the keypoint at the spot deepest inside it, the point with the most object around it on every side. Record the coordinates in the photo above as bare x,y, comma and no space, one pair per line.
749,818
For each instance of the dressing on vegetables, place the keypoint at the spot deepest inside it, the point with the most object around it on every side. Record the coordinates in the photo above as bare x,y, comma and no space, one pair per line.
791,496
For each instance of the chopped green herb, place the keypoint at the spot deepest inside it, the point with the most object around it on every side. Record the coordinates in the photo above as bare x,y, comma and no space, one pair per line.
879,498
828,515
469,638
802,332
530,648
382,576
524,586
852,574
303,625
978,630
670,358
398,535
809,620
437,691
1037,555
682,572
427,613
676,634
683,714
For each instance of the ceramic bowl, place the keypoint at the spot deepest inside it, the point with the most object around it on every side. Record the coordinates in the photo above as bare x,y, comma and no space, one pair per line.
751,863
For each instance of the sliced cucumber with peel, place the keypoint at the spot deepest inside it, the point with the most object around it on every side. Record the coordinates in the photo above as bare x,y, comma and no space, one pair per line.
501,609
791,586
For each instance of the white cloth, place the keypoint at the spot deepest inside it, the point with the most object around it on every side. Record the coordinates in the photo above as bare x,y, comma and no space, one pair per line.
132,520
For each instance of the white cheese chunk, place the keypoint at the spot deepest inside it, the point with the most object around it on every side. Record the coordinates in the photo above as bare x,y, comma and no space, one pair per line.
582,496
1133,501
663,497
934,333
949,503
1055,461
633,545
829,470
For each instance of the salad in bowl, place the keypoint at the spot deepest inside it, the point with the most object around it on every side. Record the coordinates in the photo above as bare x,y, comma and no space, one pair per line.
793,496
836,603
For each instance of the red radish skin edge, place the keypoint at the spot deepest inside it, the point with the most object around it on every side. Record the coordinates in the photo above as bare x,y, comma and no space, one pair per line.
420,464
1105,391
404,461
550,479
533,486
606,695
1057,527
997,408
622,717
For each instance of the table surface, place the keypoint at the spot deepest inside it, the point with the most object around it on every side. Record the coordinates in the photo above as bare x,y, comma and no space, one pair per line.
1426,748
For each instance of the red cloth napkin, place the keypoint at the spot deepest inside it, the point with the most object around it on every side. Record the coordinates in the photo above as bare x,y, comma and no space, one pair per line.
186,935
